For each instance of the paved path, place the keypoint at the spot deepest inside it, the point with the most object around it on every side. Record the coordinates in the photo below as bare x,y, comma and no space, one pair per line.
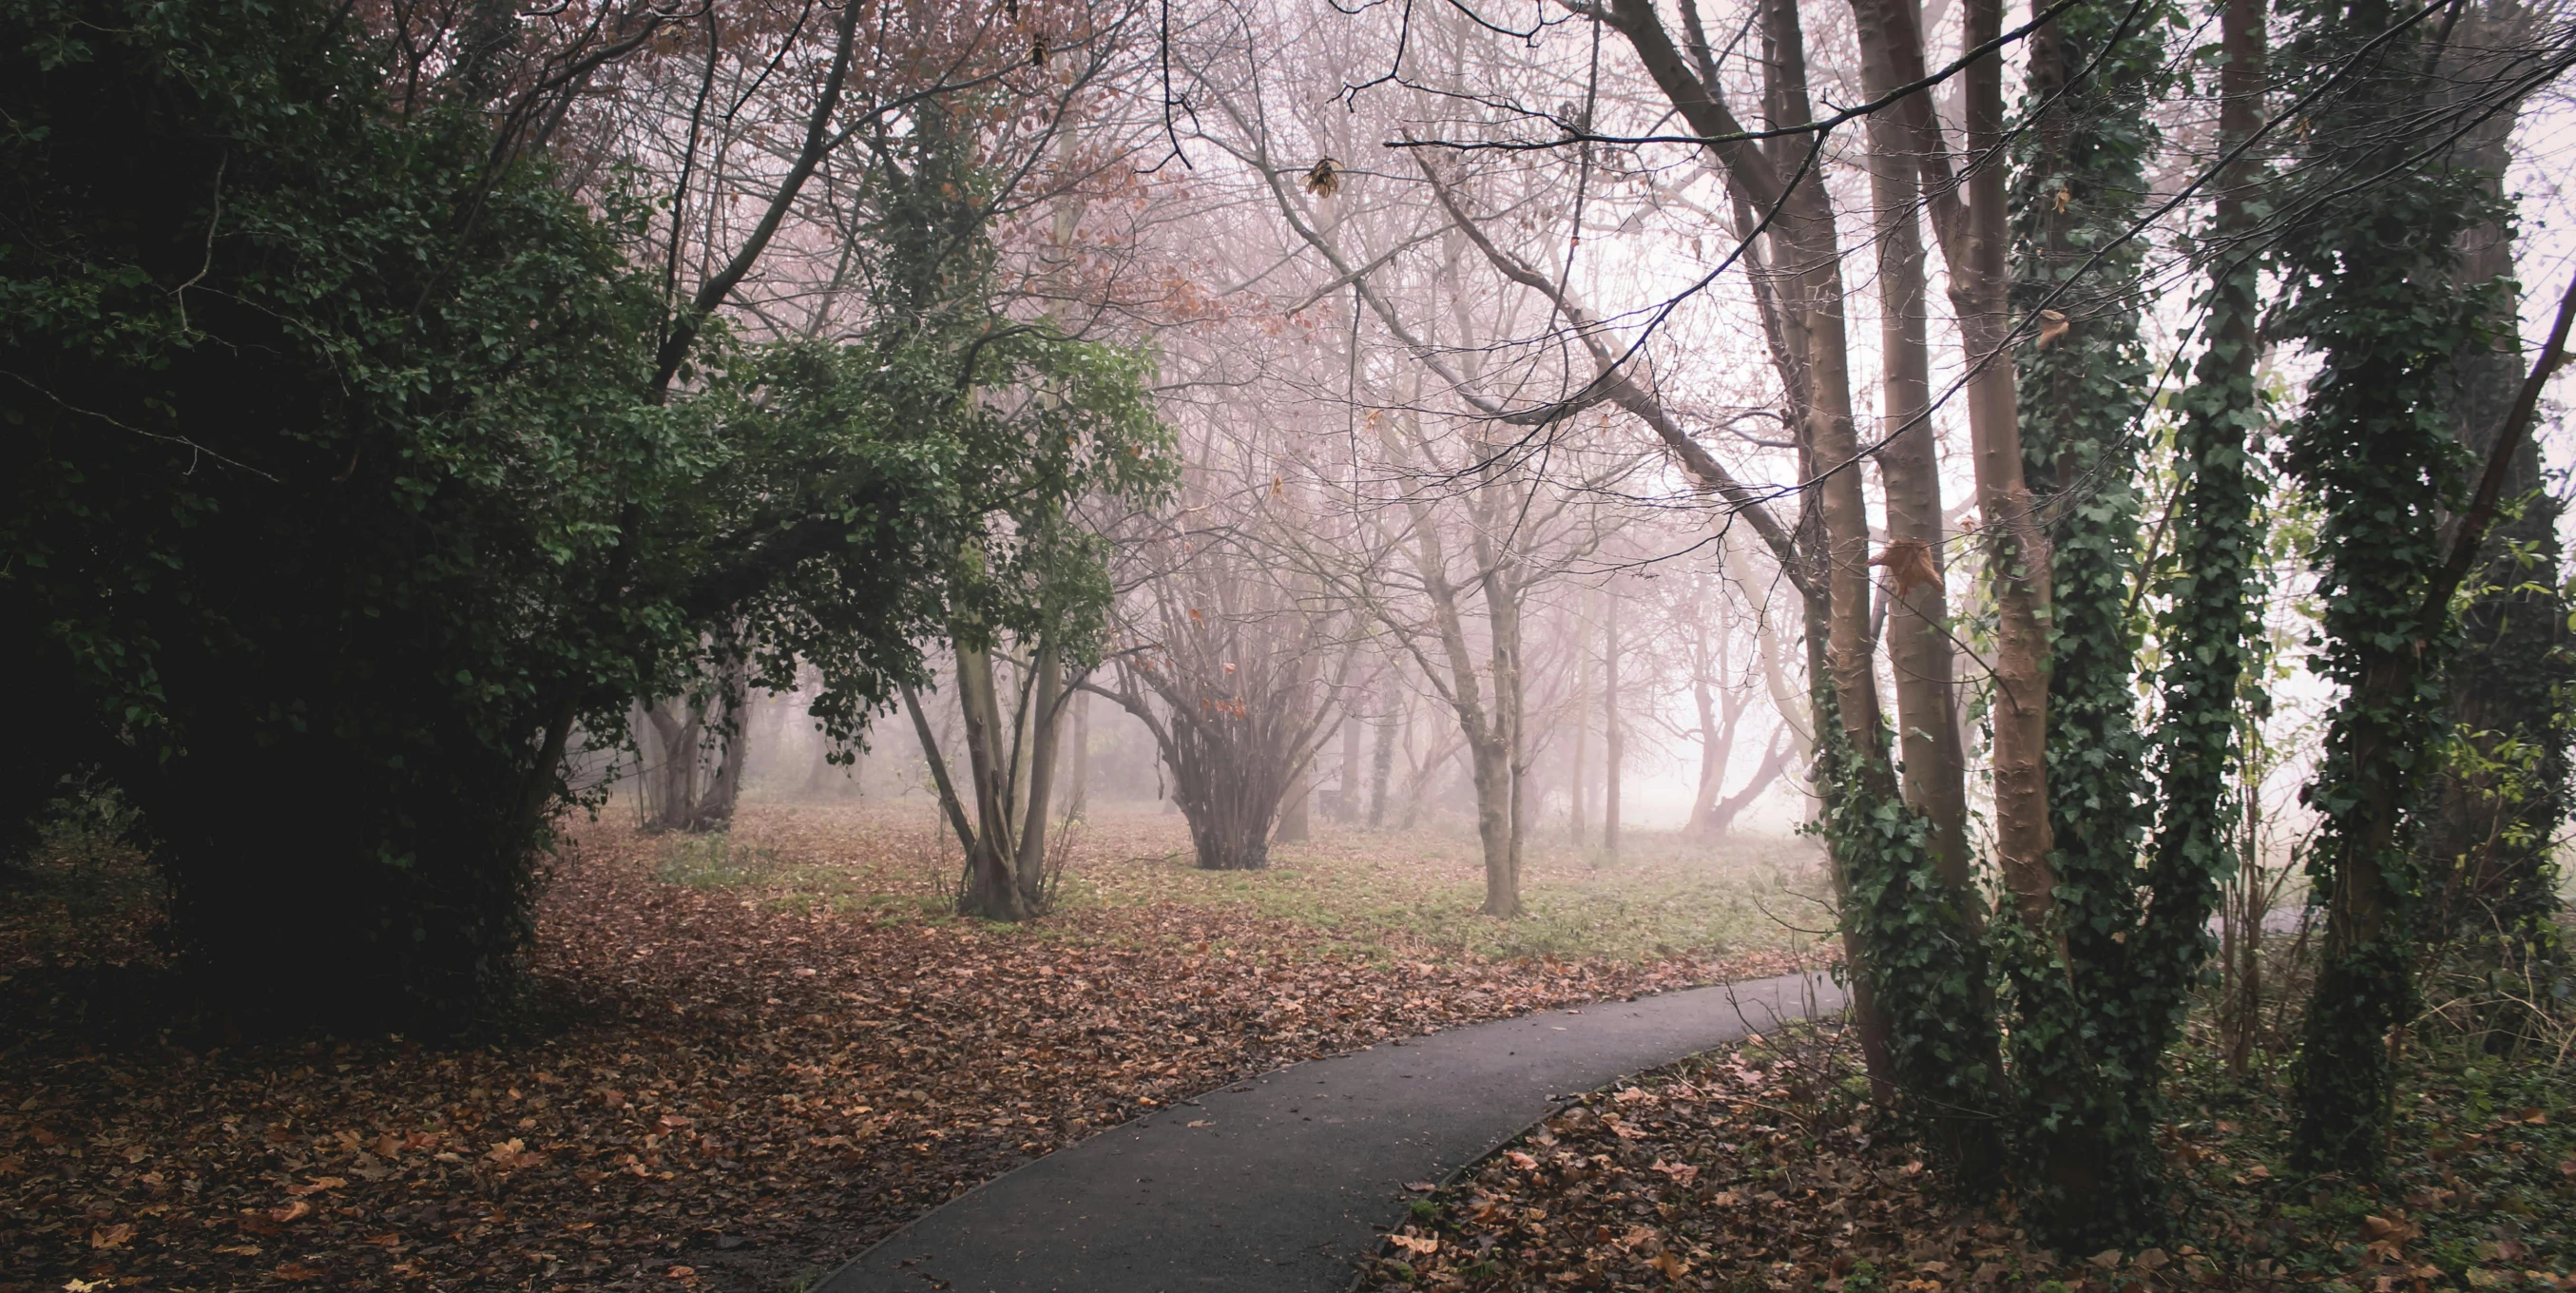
1276,1184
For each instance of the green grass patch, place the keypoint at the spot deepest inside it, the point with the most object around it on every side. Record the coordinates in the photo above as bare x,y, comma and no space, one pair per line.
716,861
1376,894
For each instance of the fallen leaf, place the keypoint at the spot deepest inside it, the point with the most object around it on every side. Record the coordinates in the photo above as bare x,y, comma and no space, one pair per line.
1411,1244
114,1236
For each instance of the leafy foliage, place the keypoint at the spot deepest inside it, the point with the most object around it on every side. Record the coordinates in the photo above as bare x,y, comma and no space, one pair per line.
2084,1034
321,419
348,480
1923,965
2371,294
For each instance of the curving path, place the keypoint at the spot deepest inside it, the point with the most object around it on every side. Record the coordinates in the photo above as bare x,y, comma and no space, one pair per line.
1277,1184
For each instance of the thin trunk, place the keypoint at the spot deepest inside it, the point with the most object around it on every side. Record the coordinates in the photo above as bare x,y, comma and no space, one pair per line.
1714,745
2202,737
1813,256
2017,552
1613,739
1045,717
1579,789
1722,814
992,888
1506,743
1918,645
1080,801
1347,812
1382,767
1809,333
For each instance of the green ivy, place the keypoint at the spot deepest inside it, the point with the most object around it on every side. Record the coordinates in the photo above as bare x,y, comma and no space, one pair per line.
2083,1142
2372,295
1925,964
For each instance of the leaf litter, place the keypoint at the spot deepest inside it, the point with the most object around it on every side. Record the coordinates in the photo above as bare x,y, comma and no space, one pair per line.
709,1092
1755,1167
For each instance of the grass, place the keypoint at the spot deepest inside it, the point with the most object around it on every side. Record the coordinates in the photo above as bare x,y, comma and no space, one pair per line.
1663,895
714,861
1373,893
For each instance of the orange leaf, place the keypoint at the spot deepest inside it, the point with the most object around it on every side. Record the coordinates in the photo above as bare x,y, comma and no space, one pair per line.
1910,562
113,1236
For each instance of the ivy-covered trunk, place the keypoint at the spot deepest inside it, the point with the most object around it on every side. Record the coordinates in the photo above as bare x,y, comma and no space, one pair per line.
2083,397
2209,623
2372,294
2493,817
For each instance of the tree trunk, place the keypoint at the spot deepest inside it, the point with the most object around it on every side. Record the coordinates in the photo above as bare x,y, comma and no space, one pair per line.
2017,552
1722,814
1578,791
1613,739
1918,640
1503,868
1716,741
1046,710
1080,801
992,889
2490,833
2216,545
1382,766
1348,810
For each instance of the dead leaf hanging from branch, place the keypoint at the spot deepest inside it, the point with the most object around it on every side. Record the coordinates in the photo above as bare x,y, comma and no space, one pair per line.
1325,179
1909,563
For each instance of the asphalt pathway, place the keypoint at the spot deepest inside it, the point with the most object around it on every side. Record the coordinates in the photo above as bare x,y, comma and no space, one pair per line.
1277,1184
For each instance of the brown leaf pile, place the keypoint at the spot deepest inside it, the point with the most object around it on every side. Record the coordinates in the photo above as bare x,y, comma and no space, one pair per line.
1754,1168
716,1093
1747,1168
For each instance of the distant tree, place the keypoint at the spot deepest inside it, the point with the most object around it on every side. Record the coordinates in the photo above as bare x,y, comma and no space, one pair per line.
1237,672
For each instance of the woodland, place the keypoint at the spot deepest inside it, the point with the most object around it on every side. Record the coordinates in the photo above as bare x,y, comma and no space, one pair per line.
663,632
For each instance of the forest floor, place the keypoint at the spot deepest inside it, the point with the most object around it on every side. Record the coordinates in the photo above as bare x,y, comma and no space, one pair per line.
1753,1167
745,1057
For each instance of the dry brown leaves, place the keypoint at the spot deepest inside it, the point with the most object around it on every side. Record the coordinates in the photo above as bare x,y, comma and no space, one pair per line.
1752,1168
718,1094
1747,1168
